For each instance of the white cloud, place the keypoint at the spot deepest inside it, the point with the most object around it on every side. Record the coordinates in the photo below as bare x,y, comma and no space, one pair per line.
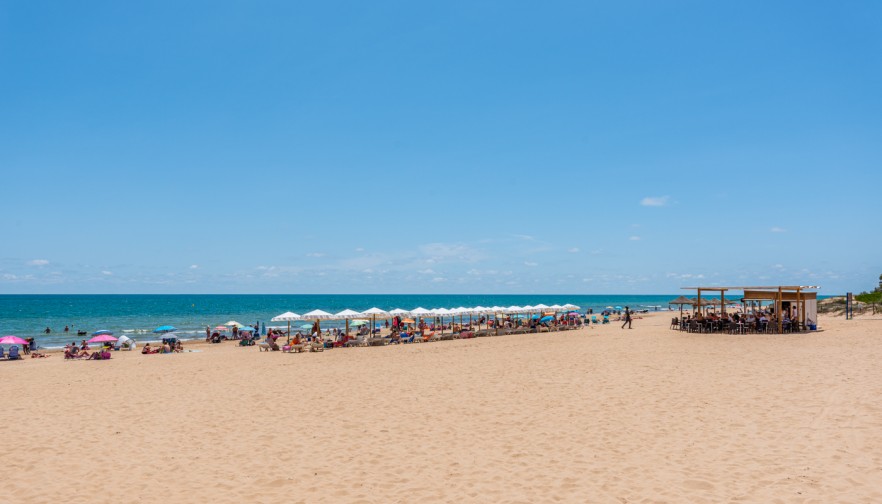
776,229
427,271
107,273
38,262
439,279
573,250
655,201
194,266
447,252
530,263
634,238
524,237
359,249
315,254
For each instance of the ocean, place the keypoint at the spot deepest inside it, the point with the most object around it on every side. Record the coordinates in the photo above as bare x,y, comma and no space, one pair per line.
137,315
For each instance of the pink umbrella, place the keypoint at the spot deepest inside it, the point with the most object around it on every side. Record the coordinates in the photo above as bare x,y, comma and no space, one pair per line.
102,338
12,340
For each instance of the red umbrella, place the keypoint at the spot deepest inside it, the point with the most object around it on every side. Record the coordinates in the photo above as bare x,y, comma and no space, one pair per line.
12,340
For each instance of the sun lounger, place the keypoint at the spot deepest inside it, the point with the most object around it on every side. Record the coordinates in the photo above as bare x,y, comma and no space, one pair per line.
264,347
378,341
315,346
13,353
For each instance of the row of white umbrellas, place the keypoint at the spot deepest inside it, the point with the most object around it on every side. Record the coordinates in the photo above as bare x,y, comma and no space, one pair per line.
420,312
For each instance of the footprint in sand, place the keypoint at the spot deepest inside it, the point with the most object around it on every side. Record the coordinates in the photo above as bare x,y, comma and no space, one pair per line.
698,485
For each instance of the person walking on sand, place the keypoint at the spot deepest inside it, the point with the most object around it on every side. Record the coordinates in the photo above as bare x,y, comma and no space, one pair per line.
627,318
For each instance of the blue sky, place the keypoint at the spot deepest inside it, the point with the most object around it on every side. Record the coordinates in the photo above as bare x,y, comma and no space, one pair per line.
438,147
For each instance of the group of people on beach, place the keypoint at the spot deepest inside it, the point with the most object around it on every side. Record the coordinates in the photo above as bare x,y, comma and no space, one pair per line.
81,351
166,347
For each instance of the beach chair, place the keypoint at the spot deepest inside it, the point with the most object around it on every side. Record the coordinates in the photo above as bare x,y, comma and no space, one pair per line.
2,353
298,348
359,341
606,319
264,347
674,323
13,353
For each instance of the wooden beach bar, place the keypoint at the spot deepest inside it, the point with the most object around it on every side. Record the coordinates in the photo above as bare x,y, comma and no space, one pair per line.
803,298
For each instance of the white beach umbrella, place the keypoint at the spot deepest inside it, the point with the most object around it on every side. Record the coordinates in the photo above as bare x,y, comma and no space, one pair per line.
462,311
556,307
421,313
398,312
317,315
442,312
347,315
286,317
373,313
569,306
480,310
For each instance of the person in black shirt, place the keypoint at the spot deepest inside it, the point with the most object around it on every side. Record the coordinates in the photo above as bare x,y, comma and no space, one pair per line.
627,318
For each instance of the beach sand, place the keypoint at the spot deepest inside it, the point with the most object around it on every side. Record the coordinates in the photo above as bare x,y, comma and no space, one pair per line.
596,415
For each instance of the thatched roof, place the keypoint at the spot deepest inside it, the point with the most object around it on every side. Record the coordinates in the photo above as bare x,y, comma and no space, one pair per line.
682,300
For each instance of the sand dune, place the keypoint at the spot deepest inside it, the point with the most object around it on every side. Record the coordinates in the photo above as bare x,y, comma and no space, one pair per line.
599,415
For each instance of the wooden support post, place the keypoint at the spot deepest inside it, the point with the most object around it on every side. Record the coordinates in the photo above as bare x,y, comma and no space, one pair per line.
778,311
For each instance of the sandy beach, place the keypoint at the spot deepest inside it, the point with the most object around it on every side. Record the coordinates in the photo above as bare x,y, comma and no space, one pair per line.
595,415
